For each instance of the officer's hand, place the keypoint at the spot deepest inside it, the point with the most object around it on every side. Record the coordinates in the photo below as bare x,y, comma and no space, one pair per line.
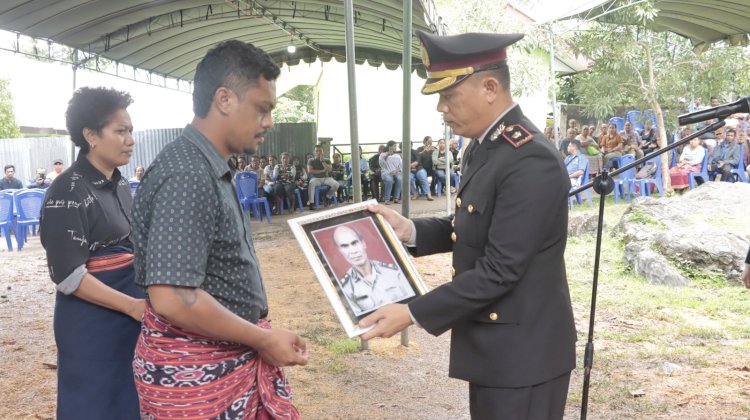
387,321
401,225
283,348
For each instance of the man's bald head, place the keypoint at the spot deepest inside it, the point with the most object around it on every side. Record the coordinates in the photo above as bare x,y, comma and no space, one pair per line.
351,245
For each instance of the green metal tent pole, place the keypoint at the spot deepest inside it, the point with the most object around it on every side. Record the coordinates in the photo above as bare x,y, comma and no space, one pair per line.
406,125
353,127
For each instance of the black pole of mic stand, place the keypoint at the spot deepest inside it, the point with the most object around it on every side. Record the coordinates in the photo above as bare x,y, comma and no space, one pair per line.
604,184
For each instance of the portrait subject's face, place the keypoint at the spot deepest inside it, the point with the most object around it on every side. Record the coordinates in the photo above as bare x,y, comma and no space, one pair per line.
351,246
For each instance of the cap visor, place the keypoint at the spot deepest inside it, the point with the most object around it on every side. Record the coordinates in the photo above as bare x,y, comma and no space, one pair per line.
436,85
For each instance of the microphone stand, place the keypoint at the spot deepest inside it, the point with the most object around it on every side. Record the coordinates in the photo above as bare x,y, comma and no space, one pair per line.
603,184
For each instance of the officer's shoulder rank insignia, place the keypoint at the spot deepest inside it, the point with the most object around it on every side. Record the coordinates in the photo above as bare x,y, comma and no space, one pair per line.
498,131
517,135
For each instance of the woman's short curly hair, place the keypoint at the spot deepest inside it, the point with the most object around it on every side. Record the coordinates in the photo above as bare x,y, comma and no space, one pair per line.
92,108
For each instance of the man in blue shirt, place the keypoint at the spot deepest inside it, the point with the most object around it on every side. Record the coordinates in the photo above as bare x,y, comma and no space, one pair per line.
10,181
575,163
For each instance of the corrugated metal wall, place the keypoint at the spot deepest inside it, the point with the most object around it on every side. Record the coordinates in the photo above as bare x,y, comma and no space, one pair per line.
29,153
148,144
295,138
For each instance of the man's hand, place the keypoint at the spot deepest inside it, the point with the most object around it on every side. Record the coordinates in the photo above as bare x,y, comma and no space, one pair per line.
387,321
400,224
746,276
283,348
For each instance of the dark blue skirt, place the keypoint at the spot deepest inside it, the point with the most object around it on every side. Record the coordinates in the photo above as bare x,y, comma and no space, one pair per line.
95,346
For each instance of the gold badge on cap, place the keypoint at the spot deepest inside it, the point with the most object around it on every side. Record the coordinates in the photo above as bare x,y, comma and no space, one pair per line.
425,56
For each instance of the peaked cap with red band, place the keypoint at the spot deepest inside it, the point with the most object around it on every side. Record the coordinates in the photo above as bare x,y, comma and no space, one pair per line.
451,59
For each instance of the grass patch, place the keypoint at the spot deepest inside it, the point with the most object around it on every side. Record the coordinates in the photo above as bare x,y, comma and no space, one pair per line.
344,346
698,276
639,326
637,215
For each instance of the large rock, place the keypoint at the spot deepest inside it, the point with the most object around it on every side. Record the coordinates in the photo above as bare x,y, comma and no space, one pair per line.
652,265
703,232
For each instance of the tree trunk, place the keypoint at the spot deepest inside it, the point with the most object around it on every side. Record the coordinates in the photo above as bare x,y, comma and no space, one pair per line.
662,142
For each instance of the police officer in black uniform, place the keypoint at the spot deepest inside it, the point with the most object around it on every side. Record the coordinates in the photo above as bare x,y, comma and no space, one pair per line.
508,306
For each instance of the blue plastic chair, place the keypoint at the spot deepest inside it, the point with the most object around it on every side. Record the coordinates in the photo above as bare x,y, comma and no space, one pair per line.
644,184
618,122
29,207
635,120
649,114
286,204
673,160
739,169
133,187
703,174
323,189
624,179
584,181
247,194
6,216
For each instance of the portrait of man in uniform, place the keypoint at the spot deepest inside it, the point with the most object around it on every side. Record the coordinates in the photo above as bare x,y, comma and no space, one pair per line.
358,261
368,284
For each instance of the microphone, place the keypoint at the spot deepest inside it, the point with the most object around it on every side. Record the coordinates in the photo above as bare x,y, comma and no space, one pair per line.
742,105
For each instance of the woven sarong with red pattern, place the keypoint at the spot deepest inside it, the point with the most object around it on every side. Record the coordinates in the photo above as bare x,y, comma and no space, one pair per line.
179,374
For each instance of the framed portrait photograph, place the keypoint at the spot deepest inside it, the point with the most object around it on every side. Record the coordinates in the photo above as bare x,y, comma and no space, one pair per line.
358,260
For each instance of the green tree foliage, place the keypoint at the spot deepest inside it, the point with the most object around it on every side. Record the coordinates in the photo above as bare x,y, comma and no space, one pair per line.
529,67
296,105
638,69
8,126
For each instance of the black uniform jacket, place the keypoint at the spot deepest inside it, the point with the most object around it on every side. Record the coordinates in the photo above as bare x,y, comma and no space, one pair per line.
508,305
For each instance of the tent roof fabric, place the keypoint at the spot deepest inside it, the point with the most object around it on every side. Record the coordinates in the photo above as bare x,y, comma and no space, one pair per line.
169,37
704,22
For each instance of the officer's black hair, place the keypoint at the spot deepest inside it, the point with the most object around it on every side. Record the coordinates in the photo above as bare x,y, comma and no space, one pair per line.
502,74
233,64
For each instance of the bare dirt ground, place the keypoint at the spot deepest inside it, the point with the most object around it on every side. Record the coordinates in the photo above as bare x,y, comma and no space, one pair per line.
386,381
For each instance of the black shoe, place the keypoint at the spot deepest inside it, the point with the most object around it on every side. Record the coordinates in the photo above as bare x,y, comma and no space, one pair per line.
312,206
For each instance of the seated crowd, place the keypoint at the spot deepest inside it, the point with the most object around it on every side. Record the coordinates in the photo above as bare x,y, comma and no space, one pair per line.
725,150
42,178
381,174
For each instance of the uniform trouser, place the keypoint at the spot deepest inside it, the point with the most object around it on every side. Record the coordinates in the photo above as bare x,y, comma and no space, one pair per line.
545,401
316,182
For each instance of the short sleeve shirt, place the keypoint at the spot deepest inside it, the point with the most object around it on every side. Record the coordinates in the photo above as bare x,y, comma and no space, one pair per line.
317,164
83,212
189,228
